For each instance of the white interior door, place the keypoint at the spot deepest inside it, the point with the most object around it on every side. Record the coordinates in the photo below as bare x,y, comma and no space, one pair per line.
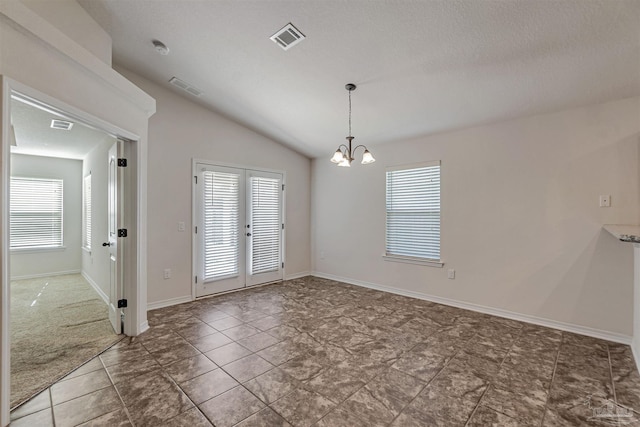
115,208
238,231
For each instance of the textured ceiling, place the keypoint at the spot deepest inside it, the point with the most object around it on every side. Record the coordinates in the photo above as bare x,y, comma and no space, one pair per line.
421,66
35,136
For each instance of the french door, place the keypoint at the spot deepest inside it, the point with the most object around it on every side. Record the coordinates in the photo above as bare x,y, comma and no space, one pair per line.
239,228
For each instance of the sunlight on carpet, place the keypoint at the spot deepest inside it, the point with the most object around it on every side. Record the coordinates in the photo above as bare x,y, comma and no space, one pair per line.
57,323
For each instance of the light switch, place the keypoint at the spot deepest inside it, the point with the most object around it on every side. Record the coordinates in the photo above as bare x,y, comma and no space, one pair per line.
181,226
451,274
605,201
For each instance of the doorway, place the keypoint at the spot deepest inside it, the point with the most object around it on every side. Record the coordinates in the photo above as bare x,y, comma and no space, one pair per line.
64,303
238,228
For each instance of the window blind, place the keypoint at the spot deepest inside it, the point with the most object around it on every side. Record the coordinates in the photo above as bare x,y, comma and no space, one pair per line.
221,220
266,224
86,212
36,212
413,212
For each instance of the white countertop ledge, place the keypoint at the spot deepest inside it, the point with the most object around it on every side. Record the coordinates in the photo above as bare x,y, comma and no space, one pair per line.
624,233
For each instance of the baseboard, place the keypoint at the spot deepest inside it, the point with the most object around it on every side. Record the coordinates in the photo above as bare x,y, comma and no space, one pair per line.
36,276
568,327
168,302
298,275
96,287
634,352
144,326
182,300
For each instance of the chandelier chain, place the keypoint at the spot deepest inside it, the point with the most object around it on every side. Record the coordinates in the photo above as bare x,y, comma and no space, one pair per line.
349,112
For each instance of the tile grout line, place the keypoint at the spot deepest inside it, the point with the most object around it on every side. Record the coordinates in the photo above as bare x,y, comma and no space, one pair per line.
231,376
553,377
434,377
126,410
53,416
200,353
478,404
491,384
188,397
613,385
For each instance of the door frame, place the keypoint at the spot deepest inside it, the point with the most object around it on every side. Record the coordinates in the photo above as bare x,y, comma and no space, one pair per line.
134,245
194,217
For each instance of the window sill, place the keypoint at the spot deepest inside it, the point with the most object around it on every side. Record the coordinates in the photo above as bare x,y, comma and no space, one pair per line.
409,260
32,250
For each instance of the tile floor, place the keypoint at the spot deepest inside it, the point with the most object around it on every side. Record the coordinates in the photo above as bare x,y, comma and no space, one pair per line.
316,352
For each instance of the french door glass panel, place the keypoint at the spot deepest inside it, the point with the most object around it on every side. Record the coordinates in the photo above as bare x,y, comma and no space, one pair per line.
265,223
220,207
221,224
239,217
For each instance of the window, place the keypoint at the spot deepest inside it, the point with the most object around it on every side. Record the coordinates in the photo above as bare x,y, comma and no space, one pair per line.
36,213
86,213
413,213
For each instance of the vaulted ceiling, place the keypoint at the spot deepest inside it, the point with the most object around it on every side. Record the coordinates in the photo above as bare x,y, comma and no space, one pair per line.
421,66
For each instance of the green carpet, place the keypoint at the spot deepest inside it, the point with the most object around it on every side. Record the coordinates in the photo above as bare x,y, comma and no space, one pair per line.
57,323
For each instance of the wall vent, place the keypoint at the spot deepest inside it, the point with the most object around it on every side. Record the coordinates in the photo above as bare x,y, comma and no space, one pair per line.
288,37
185,86
61,124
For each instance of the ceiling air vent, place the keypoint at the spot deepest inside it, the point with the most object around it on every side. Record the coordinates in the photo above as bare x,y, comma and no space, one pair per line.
288,37
185,86
61,124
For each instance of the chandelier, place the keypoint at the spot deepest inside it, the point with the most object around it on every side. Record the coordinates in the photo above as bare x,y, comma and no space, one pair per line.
344,154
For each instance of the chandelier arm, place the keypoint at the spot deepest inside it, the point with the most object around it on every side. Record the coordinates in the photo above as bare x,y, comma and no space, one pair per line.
358,146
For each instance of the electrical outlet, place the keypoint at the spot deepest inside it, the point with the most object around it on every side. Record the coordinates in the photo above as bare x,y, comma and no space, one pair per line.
182,226
605,201
167,273
451,274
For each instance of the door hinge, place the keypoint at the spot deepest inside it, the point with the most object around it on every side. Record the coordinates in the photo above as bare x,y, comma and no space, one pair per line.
196,179
122,163
122,232
196,279
122,303
196,229
283,226
283,265
282,187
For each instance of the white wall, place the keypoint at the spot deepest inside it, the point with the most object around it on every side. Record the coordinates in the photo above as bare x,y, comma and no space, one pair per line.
37,263
521,223
95,263
180,131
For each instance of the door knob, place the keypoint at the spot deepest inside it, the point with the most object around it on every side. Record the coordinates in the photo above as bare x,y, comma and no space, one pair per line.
248,234
106,244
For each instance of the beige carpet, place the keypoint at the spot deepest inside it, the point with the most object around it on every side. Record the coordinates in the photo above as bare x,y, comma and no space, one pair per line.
57,323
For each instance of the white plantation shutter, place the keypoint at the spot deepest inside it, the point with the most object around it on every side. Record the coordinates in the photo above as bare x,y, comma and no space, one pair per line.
221,219
413,212
86,212
266,224
36,212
